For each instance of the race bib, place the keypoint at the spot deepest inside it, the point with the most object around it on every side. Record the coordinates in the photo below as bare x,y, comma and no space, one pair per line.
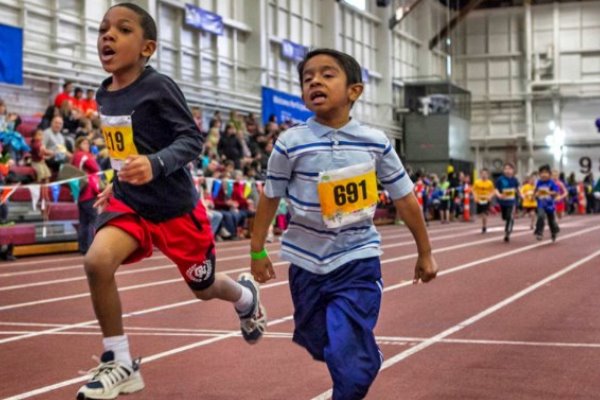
543,192
348,195
509,193
482,202
118,137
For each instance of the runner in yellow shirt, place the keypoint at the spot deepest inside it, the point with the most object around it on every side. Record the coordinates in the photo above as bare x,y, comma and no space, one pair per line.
529,201
483,189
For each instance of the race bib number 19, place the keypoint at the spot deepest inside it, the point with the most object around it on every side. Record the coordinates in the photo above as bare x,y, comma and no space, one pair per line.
348,195
118,137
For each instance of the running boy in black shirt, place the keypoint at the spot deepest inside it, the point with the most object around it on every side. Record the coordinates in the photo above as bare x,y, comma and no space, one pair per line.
151,136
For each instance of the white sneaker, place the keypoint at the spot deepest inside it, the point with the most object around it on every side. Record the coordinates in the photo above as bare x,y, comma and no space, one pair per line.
111,378
254,323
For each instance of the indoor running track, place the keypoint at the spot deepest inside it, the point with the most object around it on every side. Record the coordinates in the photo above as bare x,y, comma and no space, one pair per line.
514,320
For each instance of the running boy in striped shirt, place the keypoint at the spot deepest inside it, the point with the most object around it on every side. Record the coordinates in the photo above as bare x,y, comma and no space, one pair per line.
328,170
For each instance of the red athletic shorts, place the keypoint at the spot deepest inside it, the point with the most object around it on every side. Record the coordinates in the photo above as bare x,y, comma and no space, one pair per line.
560,206
186,240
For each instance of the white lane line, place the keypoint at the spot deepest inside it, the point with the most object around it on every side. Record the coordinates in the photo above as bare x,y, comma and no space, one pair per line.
383,340
403,284
157,283
146,360
171,266
470,321
325,395
126,315
169,281
403,232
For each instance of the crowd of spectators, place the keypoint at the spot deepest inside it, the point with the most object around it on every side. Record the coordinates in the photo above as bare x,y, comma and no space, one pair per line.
236,153
237,149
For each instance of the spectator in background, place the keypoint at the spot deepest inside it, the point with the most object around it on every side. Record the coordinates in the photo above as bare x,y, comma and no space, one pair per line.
211,144
89,105
596,196
198,118
13,142
70,120
588,187
65,95
39,153
6,251
237,121
3,116
51,112
55,143
85,160
78,99
230,148
572,188
272,131
252,125
217,116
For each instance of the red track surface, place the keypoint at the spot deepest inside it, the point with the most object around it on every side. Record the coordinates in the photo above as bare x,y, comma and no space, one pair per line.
502,321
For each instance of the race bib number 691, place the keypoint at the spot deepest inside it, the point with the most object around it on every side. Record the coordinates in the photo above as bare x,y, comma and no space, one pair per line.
348,195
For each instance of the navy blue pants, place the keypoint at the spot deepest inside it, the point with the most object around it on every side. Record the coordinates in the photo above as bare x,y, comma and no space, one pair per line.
335,315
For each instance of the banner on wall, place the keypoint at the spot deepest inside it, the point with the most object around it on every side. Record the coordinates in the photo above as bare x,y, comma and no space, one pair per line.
292,51
199,18
284,106
11,55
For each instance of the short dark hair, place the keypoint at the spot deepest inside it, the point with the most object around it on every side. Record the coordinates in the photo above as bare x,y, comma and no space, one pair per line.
545,168
485,170
146,21
349,65
78,90
509,164
67,83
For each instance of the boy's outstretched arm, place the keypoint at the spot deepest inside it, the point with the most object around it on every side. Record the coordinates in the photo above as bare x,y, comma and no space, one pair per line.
410,212
262,269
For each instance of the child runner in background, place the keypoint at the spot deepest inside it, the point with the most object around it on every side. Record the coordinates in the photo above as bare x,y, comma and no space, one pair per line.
560,200
529,202
483,189
328,169
444,187
546,190
151,137
507,187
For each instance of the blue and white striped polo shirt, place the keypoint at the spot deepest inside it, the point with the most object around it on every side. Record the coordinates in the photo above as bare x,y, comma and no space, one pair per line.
297,158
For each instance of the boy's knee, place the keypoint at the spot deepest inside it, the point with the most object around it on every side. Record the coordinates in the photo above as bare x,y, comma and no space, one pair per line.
205,294
98,266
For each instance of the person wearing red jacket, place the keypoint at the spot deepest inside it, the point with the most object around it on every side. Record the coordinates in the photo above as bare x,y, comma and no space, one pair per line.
86,161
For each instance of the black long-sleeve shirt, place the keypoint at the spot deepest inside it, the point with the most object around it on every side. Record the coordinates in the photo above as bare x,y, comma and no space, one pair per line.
164,130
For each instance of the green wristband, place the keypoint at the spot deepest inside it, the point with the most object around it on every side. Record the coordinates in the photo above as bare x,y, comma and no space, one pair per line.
259,255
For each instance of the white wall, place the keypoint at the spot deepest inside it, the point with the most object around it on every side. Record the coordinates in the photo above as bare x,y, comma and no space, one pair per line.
562,83
227,72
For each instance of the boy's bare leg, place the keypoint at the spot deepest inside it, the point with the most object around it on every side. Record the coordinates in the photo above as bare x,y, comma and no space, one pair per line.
109,250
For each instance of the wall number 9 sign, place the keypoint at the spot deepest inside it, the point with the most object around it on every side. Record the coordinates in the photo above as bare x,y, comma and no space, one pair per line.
586,165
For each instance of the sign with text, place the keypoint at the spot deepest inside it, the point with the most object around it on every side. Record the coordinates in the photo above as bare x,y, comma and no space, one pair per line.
199,18
284,106
292,51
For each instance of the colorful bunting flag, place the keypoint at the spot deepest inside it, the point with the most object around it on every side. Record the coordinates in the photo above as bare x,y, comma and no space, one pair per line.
75,189
247,189
35,191
216,188
209,184
229,191
55,192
